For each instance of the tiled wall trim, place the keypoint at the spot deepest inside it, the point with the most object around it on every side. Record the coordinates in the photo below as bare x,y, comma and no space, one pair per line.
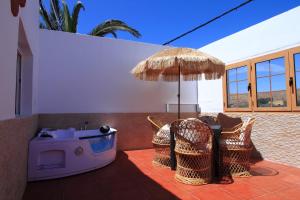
134,131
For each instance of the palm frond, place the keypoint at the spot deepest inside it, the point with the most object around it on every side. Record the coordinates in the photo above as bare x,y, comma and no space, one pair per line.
67,18
42,26
45,16
112,26
75,15
55,13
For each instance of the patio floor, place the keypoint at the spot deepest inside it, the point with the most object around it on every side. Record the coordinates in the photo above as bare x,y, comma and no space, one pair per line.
132,176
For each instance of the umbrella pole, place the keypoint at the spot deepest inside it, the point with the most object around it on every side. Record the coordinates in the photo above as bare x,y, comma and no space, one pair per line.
172,144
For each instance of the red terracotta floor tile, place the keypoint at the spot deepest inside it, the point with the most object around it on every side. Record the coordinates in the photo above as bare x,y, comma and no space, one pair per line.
132,176
290,194
270,197
243,190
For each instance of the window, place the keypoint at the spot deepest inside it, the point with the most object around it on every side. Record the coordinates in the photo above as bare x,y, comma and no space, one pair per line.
297,77
294,80
18,85
237,87
270,83
267,83
237,82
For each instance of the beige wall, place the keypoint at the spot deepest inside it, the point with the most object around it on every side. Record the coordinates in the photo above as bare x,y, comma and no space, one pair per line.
14,137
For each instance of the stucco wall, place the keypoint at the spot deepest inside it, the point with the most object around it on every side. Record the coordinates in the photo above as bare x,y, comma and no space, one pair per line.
8,54
28,17
16,132
84,74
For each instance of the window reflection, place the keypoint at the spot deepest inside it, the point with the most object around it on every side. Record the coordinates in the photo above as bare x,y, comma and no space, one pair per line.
297,77
271,83
262,69
297,61
231,75
242,73
243,94
237,83
263,92
298,87
278,91
277,66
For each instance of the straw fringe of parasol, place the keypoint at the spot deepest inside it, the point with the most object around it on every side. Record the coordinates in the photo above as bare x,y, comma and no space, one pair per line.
194,65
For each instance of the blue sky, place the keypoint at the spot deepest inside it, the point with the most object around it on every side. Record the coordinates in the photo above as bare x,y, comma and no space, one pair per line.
161,20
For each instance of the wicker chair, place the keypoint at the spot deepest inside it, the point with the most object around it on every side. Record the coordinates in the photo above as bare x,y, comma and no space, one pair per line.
193,151
235,148
161,142
210,120
227,122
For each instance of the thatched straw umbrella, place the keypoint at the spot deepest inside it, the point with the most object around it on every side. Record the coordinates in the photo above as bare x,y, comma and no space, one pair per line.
171,64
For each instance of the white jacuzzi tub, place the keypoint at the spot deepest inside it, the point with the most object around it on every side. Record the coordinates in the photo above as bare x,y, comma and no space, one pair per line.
68,152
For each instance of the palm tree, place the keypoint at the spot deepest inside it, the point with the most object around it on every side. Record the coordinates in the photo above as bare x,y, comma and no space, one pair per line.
60,19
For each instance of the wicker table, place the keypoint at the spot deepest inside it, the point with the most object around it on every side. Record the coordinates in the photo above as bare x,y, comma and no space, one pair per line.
216,152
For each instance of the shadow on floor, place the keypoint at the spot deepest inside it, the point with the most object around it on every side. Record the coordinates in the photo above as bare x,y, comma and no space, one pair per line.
263,171
254,171
119,180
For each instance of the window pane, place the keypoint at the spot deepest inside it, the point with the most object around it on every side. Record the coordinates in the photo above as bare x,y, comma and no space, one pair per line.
298,88
263,92
277,66
297,61
232,95
243,94
279,91
242,73
262,69
231,75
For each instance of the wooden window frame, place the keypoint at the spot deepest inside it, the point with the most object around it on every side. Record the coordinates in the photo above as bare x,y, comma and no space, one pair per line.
233,66
283,54
288,56
293,75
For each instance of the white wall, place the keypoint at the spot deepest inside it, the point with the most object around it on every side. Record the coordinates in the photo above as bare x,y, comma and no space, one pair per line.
275,34
8,54
84,74
8,51
30,19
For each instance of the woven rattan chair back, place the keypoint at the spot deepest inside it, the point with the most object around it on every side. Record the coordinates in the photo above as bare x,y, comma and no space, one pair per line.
193,151
156,124
236,148
192,136
210,120
245,135
228,122
161,142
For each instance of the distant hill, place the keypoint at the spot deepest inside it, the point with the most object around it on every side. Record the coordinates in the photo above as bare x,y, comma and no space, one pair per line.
264,99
